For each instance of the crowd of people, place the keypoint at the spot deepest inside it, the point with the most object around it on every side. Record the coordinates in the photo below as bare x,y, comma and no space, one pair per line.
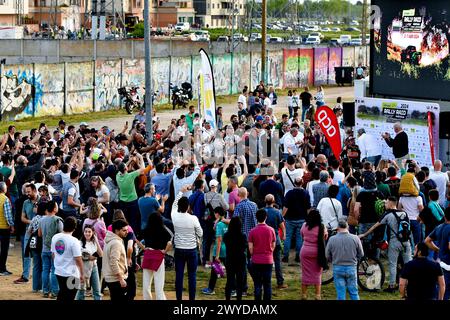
91,207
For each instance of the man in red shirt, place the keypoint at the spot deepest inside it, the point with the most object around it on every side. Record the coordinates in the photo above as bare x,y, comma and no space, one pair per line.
261,244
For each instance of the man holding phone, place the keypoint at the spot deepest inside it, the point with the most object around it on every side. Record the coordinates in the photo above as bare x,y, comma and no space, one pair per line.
399,143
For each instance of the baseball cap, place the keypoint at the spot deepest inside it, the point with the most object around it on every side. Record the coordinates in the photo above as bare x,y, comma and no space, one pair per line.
213,183
84,124
258,118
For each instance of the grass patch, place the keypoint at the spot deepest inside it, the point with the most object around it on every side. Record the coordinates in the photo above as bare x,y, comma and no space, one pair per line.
292,276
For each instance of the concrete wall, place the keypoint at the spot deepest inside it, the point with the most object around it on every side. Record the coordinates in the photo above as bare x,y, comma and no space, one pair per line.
52,51
40,89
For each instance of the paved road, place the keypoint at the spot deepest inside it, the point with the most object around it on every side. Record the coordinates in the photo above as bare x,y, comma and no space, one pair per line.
331,94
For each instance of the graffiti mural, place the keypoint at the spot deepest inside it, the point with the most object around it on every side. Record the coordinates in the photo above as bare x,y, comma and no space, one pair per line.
320,66
20,92
180,70
52,80
160,81
222,73
275,69
335,60
306,67
196,66
290,68
255,70
107,81
348,57
241,72
80,87
133,75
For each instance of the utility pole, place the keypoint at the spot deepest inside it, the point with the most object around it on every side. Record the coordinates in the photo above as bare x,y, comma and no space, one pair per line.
364,27
148,74
264,39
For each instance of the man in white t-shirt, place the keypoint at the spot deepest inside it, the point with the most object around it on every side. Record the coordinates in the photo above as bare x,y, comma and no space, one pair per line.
413,206
338,176
266,100
290,173
243,98
442,181
66,253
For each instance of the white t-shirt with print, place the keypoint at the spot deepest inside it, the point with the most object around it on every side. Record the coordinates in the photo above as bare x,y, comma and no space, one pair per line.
65,248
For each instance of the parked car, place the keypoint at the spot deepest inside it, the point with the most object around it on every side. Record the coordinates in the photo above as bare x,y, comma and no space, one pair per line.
201,35
313,40
345,39
354,23
275,40
223,39
352,29
316,34
326,29
182,26
239,37
334,42
336,29
356,42
295,40
255,37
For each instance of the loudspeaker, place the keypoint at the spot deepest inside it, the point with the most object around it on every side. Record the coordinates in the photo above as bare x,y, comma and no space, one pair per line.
444,128
344,75
349,113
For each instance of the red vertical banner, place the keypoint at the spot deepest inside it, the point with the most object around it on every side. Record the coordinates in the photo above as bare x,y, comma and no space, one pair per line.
430,136
327,120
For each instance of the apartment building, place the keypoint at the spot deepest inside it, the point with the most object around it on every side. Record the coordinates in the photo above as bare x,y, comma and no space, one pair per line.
218,13
165,12
11,11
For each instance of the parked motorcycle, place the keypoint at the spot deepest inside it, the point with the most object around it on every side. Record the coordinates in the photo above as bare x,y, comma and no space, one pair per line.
131,98
181,96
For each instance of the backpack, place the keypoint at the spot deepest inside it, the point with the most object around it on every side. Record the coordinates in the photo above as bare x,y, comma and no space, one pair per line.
379,207
403,232
53,229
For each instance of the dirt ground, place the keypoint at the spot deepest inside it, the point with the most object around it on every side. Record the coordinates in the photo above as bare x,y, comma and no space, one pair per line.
331,94
11,291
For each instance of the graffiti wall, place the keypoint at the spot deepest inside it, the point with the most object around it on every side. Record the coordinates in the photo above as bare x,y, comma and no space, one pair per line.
21,90
180,70
108,77
160,72
80,87
291,66
222,73
255,75
306,67
348,57
52,83
55,89
241,72
275,69
320,66
335,60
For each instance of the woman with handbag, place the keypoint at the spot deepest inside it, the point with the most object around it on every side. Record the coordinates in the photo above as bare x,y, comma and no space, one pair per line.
158,240
312,254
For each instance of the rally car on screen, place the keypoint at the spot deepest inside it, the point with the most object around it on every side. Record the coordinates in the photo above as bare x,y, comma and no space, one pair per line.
411,55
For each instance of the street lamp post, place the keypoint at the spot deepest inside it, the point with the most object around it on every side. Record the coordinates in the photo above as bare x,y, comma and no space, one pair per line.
264,39
148,74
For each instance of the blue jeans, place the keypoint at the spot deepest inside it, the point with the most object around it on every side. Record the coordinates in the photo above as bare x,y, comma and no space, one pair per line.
291,111
416,231
183,256
37,270
262,278
277,261
345,279
293,229
49,281
26,261
374,160
304,109
95,284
